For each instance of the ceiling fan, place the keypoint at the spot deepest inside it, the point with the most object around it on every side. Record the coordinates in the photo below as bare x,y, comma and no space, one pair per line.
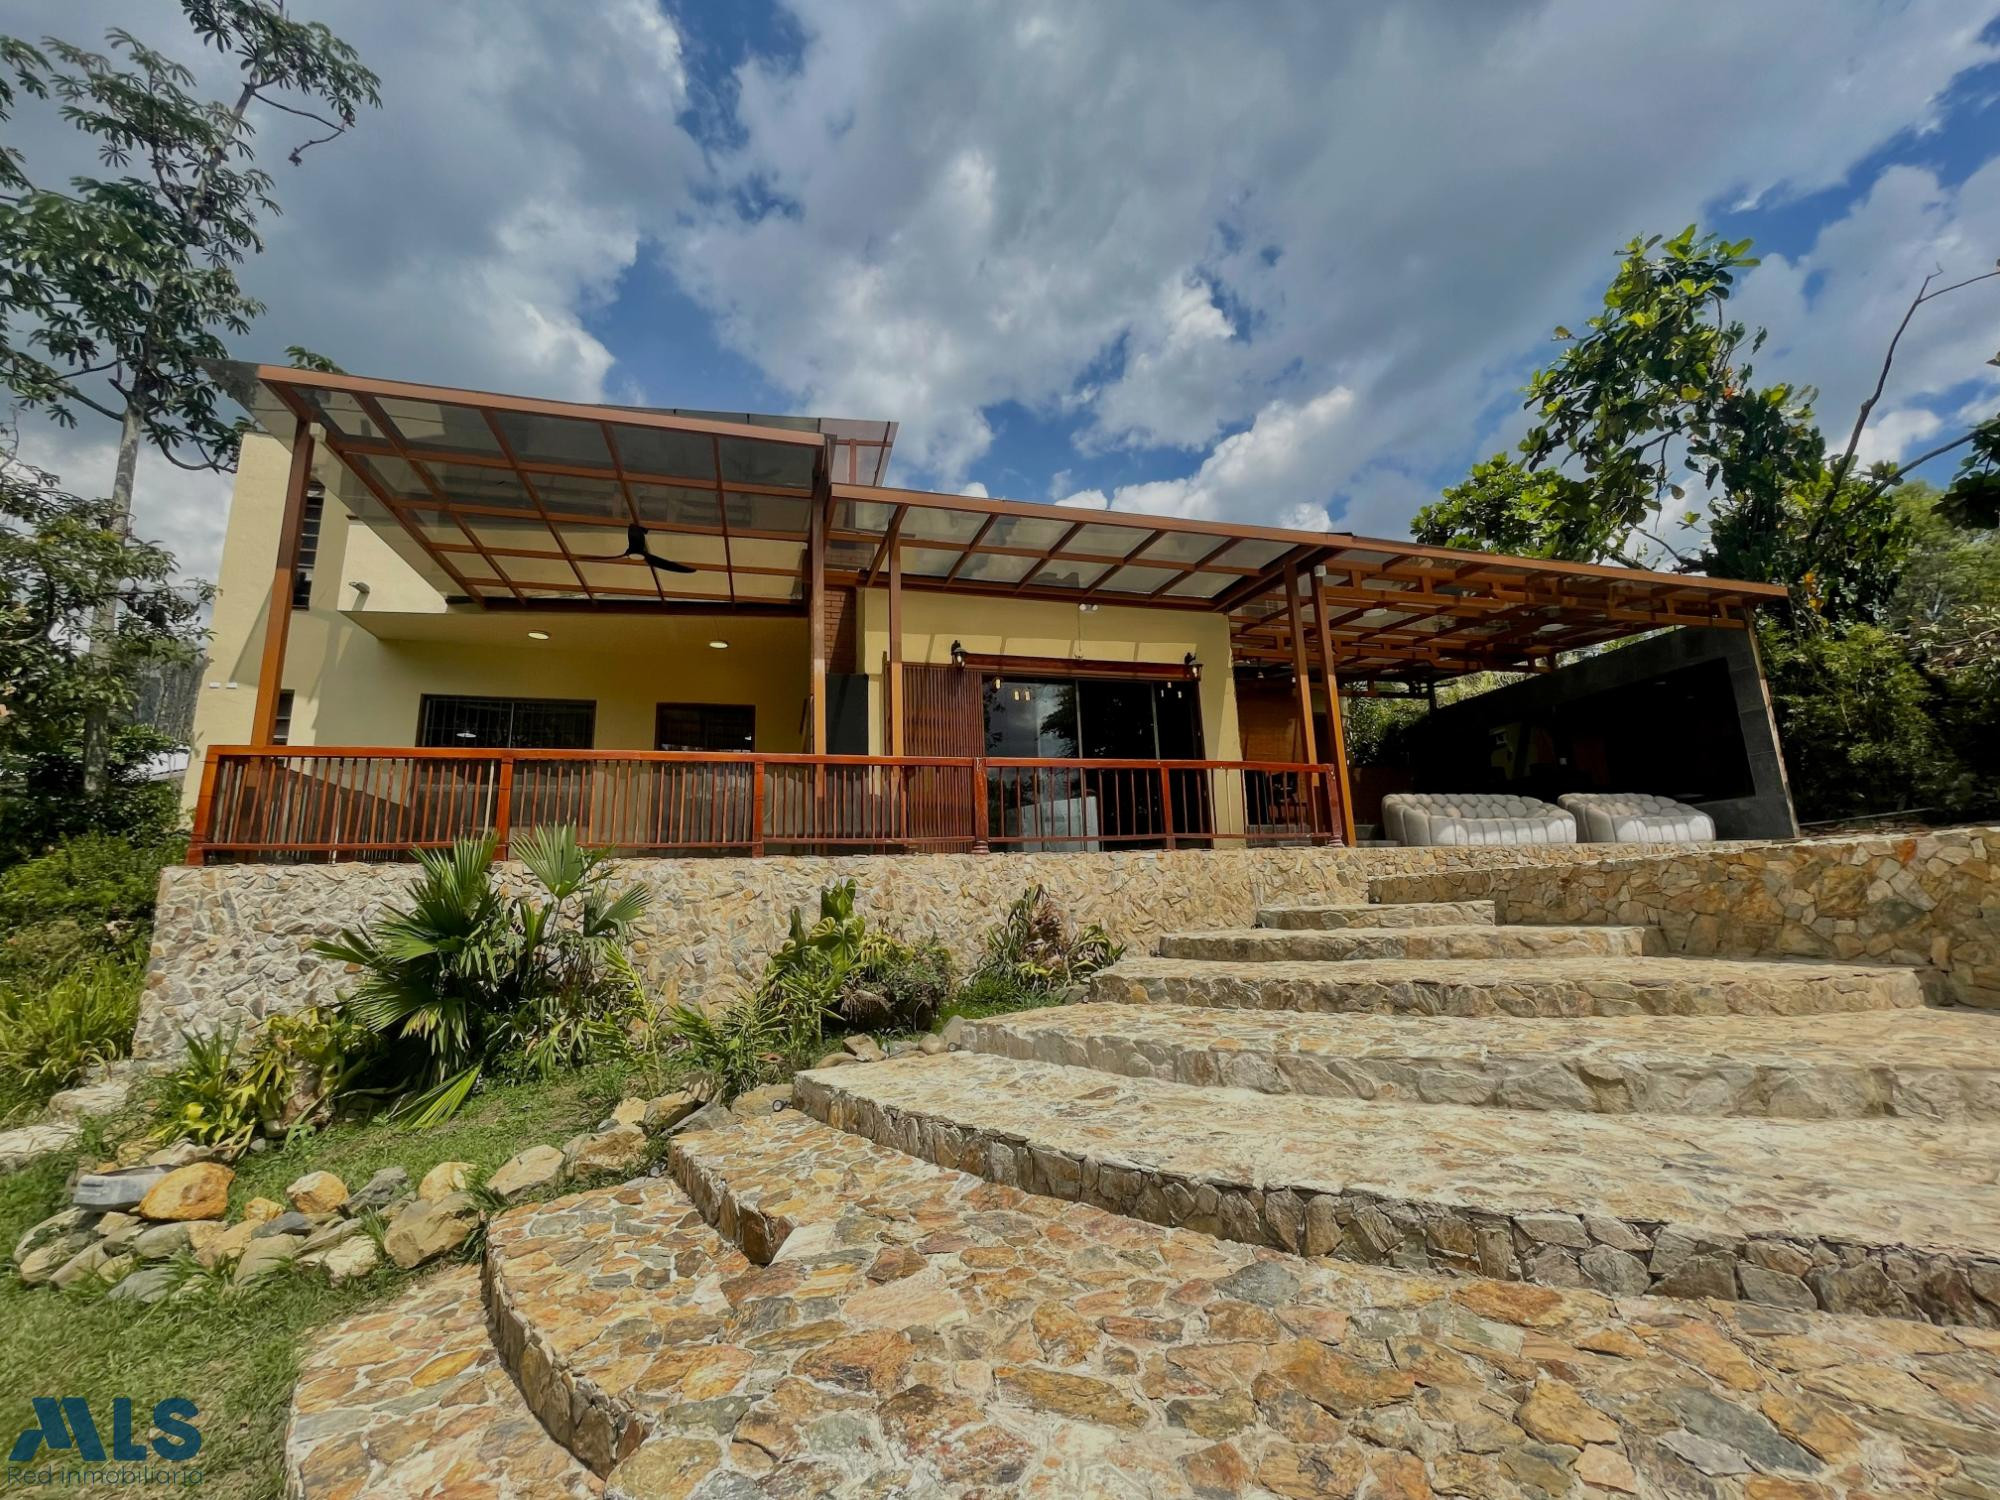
635,546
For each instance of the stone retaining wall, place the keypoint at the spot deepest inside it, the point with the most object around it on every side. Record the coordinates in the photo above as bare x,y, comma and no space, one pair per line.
232,944
1932,900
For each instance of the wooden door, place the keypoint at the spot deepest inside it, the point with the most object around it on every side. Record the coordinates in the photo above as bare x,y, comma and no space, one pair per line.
943,714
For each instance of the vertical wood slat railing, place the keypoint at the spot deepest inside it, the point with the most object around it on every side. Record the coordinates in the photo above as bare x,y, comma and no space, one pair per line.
293,803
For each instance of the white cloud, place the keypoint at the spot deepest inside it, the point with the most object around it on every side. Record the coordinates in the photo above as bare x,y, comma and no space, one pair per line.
974,489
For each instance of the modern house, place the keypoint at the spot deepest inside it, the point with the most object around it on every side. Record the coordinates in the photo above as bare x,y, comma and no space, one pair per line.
444,611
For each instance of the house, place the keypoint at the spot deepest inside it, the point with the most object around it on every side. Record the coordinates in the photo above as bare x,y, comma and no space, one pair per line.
445,611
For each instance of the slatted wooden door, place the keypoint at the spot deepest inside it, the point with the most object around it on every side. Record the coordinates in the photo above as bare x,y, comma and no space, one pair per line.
942,715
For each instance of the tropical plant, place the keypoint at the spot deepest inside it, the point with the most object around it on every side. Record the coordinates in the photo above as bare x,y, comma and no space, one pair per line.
480,982
217,1098
55,1027
722,1053
1035,950
816,971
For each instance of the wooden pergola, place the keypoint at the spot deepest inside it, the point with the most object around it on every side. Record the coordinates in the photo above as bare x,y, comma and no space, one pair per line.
511,503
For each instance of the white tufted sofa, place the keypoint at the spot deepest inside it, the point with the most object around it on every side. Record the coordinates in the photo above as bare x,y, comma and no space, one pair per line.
1637,818
1425,819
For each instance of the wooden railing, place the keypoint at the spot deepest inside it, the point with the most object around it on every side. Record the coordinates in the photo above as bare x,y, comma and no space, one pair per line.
289,803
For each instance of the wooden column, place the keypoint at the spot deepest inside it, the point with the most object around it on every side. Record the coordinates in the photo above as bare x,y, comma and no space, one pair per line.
893,679
1300,670
1334,727
278,617
816,622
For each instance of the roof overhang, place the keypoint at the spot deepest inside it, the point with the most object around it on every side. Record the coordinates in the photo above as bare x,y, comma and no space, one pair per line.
508,502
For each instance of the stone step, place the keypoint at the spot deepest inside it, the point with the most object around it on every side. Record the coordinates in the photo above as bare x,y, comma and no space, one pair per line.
1556,986
1399,914
1877,1216
1349,944
1914,1064
410,1400
921,1331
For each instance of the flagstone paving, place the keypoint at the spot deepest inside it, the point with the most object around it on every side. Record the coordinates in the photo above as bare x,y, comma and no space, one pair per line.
1403,914
1472,940
1921,1064
922,1332
1875,1215
1516,987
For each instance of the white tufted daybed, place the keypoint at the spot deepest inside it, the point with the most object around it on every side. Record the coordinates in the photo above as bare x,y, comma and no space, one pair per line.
1637,818
1431,819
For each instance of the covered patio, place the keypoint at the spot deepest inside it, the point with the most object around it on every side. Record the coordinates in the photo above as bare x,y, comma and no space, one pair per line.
909,611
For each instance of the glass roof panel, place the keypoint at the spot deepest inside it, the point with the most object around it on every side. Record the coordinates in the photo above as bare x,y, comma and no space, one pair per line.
504,532
929,562
1133,579
1101,540
1071,575
863,515
395,476
1254,553
476,484
545,571
694,585
745,461
580,496
782,513
440,428
675,504
539,439
1183,547
621,575
849,557
662,451
928,524
765,586
343,414
1203,585
988,567
1031,533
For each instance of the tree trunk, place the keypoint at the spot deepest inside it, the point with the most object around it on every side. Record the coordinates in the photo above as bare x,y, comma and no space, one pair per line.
104,624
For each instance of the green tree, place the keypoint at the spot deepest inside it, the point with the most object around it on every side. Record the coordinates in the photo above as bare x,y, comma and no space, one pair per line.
62,561
115,290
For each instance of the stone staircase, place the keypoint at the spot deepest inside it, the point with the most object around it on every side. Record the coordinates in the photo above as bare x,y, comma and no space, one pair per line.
1564,1219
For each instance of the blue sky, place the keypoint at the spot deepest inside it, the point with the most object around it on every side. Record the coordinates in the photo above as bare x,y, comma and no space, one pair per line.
1284,263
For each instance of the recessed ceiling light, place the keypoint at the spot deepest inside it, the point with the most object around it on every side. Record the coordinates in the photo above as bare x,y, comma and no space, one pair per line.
538,635
718,645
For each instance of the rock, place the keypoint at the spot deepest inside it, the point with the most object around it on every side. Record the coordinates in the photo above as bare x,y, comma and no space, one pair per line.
222,1248
162,1242
66,1222
197,1191
351,1258
1614,1271
1710,1457
257,1210
1747,1432
42,1264
864,1047
123,1188
25,1143
426,1229
317,1193
667,1111
932,1045
837,1060
762,1101
1556,1413
183,1154
1554,1229
1700,1276
629,1112
444,1179
527,1172
621,1149
1607,1469
93,1260
263,1256
708,1117
90,1100
1774,1288
286,1223
379,1191
146,1285
115,1231
953,1033
1865,1288
330,1234
901,1047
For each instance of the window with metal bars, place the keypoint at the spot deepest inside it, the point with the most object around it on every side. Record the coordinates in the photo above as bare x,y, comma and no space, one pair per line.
705,726
309,523
466,723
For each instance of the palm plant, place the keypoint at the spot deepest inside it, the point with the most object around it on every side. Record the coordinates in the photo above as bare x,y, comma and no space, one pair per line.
480,981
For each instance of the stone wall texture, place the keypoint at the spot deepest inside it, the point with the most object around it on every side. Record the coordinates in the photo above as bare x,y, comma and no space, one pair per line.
232,944
1930,900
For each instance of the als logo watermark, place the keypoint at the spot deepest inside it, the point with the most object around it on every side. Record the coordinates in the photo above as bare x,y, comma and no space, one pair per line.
65,1427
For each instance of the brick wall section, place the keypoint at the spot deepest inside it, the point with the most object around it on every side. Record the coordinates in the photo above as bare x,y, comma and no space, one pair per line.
1931,900
232,943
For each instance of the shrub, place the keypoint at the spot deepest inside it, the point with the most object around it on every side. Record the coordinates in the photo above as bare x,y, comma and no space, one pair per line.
1035,950
722,1054
220,1099
901,990
90,894
56,1027
467,981
820,971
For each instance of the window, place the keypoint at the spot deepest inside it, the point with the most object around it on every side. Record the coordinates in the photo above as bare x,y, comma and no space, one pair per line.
457,723
309,521
281,732
705,726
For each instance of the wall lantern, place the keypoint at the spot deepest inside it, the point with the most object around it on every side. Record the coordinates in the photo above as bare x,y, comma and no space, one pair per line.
1193,666
958,653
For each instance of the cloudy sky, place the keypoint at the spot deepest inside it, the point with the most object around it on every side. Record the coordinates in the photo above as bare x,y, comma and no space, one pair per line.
1283,262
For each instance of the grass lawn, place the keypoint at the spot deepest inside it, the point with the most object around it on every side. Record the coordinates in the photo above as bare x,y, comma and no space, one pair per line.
236,1354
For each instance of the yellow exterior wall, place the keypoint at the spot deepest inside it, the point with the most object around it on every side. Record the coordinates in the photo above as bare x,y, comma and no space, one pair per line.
989,626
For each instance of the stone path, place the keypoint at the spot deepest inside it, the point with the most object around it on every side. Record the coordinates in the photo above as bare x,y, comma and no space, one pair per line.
1541,1223
918,1331
1915,1064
